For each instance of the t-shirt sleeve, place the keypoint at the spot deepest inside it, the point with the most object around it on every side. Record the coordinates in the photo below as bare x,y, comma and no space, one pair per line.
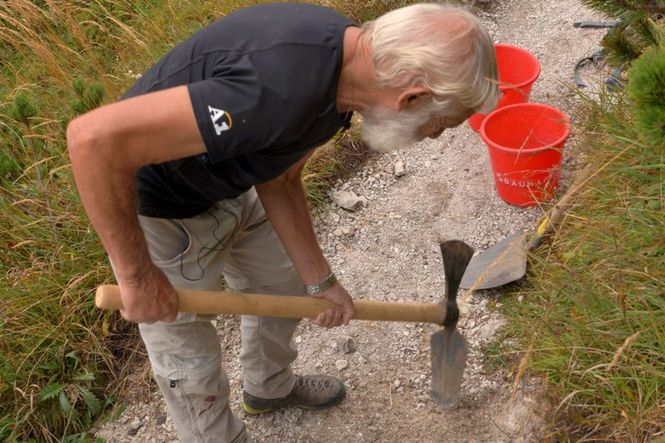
233,113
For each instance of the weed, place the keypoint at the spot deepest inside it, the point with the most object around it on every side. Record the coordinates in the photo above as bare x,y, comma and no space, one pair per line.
593,309
61,360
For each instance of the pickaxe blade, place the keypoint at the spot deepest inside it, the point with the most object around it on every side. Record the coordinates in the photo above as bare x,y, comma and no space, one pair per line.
449,349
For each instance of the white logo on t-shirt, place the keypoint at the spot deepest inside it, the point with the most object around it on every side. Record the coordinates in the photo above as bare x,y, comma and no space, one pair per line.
220,119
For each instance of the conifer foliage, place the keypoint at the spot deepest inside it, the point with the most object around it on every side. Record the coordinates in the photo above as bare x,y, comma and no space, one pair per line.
637,45
641,25
646,91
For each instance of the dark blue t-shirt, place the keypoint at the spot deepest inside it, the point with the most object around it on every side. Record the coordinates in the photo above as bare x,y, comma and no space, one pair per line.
263,84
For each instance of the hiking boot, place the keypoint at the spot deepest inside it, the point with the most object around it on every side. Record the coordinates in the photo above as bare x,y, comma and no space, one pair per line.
309,392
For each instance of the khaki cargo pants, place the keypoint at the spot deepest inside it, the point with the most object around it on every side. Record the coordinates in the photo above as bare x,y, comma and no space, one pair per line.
233,238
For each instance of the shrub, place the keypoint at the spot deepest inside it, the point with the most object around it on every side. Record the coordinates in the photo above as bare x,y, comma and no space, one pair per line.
646,90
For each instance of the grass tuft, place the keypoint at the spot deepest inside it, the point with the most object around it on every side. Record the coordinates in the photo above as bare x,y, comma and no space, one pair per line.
61,360
593,313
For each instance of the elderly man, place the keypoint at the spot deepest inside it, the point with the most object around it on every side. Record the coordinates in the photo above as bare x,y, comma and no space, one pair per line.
208,147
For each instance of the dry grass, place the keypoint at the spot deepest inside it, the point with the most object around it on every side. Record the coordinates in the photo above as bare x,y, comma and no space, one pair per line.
593,314
62,361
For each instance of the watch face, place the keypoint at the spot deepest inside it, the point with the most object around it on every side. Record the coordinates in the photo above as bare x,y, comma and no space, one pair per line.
329,282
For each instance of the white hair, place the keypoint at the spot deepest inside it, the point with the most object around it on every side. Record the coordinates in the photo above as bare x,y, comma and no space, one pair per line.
440,47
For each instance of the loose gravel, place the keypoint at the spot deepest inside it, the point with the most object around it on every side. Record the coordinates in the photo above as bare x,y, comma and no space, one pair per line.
386,248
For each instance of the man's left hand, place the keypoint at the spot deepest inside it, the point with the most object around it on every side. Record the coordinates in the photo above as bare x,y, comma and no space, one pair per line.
339,315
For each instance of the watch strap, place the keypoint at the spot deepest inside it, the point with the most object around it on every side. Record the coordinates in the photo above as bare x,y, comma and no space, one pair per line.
325,284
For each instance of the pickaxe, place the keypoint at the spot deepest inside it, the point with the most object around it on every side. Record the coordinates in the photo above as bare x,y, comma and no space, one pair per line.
448,347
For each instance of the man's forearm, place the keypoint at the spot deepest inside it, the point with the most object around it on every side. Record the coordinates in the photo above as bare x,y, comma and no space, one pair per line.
107,190
286,206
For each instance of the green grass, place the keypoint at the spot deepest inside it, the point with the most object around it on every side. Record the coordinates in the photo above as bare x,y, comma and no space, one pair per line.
61,360
593,317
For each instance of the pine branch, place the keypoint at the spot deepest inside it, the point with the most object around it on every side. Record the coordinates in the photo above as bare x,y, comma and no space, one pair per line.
652,7
619,8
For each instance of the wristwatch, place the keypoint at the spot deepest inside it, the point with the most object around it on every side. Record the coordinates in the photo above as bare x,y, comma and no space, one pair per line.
327,283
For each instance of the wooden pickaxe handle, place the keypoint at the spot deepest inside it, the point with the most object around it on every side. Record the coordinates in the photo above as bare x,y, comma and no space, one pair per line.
289,306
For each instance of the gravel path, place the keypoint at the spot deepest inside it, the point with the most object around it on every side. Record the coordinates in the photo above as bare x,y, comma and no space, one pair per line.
388,250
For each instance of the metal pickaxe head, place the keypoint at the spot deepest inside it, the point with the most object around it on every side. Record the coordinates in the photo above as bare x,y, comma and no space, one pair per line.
449,349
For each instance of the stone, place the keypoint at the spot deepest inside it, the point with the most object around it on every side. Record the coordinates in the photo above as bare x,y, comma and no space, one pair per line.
347,200
488,330
399,168
341,365
349,346
397,383
134,427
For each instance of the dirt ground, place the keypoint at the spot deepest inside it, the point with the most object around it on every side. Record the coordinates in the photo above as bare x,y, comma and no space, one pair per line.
388,250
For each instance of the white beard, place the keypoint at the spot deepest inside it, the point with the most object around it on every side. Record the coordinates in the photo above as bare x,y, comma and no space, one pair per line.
385,130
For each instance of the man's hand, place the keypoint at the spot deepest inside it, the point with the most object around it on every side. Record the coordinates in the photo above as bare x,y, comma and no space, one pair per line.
149,297
339,315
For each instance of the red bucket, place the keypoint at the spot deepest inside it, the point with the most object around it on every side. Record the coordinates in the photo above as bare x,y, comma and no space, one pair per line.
518,70
525,143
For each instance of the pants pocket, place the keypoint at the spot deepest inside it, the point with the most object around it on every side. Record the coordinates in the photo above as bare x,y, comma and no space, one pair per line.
168,240
199,407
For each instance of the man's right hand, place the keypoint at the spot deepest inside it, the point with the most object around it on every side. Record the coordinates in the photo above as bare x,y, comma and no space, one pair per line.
148,297
108,146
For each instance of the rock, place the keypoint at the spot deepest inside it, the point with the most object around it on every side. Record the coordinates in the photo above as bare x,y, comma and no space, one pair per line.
397,383
399,168
292,415
347,200
349,346
134,427
341,365
298,339
521,417
348,231
488,330
520,298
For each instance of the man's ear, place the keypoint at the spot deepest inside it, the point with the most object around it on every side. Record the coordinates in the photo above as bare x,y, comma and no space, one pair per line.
413,97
